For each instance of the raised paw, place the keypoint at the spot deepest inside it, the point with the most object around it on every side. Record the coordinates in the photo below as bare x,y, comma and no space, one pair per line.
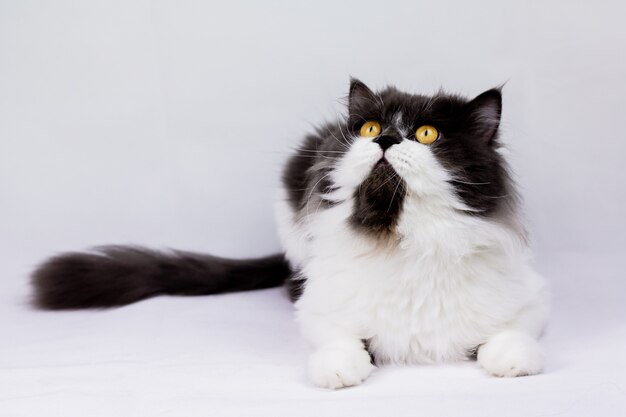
338,367
510,354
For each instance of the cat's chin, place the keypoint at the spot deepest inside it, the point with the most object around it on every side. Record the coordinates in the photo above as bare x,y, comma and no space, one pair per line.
381,181
379,199
383,171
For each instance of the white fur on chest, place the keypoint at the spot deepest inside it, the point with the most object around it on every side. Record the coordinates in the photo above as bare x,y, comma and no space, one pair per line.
448,285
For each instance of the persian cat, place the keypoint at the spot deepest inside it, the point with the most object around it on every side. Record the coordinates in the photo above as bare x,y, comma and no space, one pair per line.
402,244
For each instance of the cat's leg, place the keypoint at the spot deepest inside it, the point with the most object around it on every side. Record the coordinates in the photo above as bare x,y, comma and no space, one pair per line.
340,358
515,351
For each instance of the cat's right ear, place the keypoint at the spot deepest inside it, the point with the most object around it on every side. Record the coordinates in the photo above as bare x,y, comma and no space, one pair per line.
361,98
482,115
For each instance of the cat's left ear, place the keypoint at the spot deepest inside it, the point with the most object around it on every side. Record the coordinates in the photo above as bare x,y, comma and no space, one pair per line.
482,115
360,98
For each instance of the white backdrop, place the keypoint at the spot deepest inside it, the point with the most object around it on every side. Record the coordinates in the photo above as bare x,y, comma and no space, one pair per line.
165,123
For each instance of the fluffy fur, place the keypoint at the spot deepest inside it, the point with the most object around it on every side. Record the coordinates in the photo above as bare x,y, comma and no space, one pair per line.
116,275
395,251
418,249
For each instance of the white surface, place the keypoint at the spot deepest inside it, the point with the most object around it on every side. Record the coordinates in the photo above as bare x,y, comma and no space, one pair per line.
241,355
165,123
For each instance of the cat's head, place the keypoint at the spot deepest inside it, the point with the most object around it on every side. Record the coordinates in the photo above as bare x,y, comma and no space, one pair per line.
442,150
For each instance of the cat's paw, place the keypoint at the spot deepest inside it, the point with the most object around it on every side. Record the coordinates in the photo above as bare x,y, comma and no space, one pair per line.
510,354
338,367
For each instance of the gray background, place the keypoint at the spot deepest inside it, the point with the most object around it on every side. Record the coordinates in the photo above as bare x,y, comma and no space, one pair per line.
165,123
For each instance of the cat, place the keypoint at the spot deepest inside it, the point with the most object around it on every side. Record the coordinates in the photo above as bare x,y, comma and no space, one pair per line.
402,237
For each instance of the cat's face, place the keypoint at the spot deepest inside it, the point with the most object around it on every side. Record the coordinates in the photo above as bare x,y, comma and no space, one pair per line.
441,149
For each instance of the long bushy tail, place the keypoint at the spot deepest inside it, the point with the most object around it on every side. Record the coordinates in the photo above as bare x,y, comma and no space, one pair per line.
117,275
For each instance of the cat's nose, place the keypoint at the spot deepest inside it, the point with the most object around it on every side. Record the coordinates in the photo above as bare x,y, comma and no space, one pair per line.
386,141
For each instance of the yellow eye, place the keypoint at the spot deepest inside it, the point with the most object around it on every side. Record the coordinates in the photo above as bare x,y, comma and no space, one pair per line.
370,129
426,134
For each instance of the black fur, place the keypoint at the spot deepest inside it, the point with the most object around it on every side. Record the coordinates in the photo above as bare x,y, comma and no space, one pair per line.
378,200
118,275
304,176
295,285
296,173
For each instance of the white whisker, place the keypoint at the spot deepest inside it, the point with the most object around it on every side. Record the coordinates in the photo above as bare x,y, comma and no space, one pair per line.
394,195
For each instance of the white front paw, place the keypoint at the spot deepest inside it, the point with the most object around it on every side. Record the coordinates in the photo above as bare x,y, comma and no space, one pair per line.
338,367
510,354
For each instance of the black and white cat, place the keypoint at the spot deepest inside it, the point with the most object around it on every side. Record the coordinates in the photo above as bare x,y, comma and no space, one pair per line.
402,238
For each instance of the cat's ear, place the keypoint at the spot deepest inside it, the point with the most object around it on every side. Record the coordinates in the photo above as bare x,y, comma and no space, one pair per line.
482,115
360,98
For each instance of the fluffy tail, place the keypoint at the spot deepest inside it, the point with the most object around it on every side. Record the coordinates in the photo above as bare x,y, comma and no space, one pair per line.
117,275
